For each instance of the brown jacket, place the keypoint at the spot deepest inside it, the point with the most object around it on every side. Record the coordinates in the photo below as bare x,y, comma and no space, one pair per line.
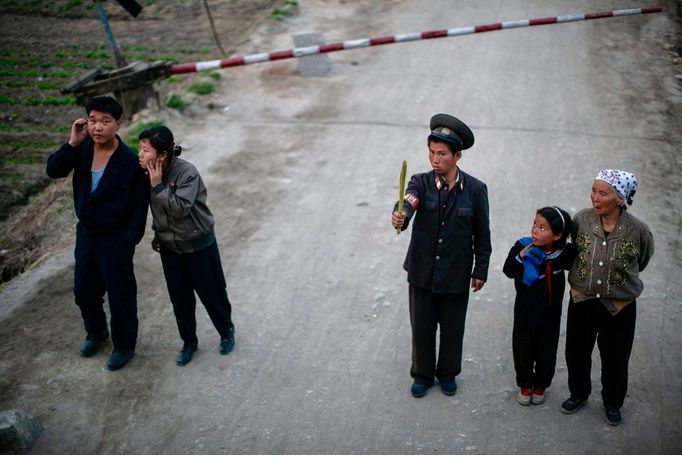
607,268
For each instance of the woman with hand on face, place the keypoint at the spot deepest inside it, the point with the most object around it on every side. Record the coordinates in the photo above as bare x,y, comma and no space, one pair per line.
613,248
184,235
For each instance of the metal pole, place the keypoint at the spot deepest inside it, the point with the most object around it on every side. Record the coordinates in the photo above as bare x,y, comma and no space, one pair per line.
118,56
215,33
401,38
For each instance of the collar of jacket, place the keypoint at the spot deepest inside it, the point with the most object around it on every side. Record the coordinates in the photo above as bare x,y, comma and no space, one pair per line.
459,180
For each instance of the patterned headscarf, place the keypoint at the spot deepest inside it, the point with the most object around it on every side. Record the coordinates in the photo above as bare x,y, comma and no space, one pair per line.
625,183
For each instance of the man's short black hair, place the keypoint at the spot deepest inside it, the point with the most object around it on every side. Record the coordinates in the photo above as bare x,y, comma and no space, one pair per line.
104,104
454,148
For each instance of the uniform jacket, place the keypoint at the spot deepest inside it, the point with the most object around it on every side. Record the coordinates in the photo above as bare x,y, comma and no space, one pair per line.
445,254
533,302
118,206
608,268
182,220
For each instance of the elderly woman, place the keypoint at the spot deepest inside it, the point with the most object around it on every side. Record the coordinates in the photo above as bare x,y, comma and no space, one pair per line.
613,247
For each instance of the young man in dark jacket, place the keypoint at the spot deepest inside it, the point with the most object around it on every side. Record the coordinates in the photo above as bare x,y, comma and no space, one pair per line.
449,252
110,194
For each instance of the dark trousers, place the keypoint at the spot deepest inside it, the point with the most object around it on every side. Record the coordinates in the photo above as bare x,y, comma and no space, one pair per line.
427,312
589,321
535,346
104,264
200,271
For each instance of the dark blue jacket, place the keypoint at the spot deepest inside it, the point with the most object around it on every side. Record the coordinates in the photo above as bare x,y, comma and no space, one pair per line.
118,206
444,255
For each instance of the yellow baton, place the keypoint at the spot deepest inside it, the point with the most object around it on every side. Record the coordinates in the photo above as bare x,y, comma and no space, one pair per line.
401,194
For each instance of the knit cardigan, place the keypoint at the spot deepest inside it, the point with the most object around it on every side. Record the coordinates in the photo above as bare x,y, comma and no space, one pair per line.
607,267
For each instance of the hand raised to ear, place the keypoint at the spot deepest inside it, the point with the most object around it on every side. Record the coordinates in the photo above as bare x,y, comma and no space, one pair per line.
79,131
155,169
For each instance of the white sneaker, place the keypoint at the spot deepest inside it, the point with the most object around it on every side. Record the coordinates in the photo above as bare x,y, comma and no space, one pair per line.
538,396
523,396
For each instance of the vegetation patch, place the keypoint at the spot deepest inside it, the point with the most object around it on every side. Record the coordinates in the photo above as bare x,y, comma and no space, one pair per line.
175,101
201,88
286,9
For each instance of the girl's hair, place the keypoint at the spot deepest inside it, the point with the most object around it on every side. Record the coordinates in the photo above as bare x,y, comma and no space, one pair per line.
161,138
559,221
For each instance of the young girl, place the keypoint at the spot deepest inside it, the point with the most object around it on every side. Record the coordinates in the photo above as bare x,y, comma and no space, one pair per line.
537,265
184,236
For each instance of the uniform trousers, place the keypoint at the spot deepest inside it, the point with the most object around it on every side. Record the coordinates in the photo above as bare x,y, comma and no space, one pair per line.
428,311
589,321
104,264
535,346
199,271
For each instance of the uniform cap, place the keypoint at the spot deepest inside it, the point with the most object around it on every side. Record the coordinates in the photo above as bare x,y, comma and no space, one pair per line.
451,129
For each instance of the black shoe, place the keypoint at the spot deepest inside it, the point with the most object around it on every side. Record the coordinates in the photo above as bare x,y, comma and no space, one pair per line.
186,354
227,344
419,390
612,415
572,405
92,342
448,387
119,359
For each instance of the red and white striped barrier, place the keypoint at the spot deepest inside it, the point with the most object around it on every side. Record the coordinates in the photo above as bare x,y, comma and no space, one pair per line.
379,40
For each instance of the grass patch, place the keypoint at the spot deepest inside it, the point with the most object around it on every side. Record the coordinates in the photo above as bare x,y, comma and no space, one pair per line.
4,99
176,102
279,14
288,8
171,79
14,84
213,75
136,56
49,100
201,88
61,129
46,85
20,73
17,161
168,58
62,74
24,144
102,54
70,4
10,128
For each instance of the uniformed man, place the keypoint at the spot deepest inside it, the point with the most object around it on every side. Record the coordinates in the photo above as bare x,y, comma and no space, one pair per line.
449,252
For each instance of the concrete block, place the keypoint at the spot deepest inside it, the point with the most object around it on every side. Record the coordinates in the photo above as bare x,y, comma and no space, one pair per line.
312,65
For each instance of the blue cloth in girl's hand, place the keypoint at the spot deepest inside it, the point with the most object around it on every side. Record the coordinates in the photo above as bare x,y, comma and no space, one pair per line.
532,261
525,241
